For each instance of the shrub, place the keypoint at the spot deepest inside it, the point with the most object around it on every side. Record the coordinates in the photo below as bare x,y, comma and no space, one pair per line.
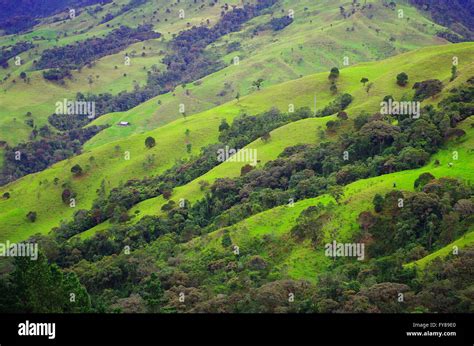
76,170
334,74
402,79
150,142
427,88
31,216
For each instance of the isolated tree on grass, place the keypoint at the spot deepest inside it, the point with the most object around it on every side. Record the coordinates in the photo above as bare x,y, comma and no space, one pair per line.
364,80
378,203
76,170
402,79
150,142
334,74
342,115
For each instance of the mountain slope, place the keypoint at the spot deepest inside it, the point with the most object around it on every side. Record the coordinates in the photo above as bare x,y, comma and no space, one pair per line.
300,259
192,191
37,192
276,56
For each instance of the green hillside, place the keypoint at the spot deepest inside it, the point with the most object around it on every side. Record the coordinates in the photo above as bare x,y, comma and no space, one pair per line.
277,57
457,245
285,136
37,192
138,211
274,56
42,95
301,260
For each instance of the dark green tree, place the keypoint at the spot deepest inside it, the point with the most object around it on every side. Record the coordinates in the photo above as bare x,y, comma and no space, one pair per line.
150,142
38,287
333,74
76,170
378,202
226,240
402,79
224,126
153,293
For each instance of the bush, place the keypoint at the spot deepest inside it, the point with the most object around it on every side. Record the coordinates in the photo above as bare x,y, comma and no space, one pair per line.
342,115
150,142
56,74
422,180
402,79
76,170
378,203
334,74
339,104
427,88
31,216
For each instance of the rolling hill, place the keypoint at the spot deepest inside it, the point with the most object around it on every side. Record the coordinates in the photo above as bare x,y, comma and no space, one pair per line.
288,54
37,191
142,213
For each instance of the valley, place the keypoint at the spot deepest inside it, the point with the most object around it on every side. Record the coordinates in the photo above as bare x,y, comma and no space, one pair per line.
199,156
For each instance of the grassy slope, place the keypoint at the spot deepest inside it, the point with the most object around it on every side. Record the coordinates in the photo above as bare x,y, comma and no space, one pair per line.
299,259
300,132
383,75
281,56
39,96
276,57
417,64
304,262
36,192
466,240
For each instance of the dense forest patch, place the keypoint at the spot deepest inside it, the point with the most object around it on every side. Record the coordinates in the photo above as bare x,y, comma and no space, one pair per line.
17,16
79,54
35,156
